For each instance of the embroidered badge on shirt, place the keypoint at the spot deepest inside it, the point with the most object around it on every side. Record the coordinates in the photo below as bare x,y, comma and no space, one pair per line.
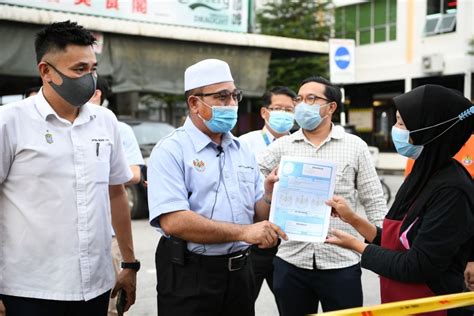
467,160
199,165
49,137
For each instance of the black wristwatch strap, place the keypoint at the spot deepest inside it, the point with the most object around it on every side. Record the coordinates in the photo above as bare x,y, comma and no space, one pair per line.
131,265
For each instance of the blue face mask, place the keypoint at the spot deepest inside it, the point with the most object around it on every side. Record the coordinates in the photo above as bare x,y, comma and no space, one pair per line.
223,118
281,121
307,116
401,137
401,140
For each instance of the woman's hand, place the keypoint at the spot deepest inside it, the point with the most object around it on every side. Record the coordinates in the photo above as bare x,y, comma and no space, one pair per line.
345,240
469,276
341,209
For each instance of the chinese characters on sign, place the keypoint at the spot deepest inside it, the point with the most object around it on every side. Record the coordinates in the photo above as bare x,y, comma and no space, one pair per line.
224,15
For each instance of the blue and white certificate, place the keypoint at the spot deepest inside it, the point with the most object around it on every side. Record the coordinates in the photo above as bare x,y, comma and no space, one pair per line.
298,202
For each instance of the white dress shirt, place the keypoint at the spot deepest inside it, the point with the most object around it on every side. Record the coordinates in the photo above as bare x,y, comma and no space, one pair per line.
258,140
130,145
54,204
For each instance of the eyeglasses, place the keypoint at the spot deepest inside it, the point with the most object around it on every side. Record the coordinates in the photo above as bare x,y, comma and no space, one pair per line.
309,99
224,95
277,108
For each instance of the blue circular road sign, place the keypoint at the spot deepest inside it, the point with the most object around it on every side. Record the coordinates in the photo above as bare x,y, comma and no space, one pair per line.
342,57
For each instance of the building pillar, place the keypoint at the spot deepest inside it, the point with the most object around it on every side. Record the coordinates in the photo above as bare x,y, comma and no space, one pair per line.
127,103
407,85
468,85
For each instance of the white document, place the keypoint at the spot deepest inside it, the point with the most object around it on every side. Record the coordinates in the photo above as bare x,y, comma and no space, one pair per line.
298,202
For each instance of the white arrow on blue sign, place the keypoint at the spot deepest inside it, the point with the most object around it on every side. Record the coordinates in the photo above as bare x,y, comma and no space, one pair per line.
342,57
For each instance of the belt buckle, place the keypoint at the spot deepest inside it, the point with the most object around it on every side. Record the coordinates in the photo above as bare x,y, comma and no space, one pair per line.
229,262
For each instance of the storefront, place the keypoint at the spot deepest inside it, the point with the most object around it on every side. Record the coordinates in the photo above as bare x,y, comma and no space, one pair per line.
139,57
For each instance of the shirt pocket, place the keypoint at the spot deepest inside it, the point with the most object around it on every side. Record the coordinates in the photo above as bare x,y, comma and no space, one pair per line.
247,187
246,176
102,164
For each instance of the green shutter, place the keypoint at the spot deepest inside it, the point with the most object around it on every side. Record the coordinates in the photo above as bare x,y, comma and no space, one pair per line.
380,34
351,35
393,32
351,22
380,12
364,15
392,11
364,37
339,25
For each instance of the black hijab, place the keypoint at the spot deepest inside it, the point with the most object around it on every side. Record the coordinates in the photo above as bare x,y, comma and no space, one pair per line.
422,107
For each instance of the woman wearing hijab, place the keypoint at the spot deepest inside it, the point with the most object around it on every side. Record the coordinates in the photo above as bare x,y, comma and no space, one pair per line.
427,234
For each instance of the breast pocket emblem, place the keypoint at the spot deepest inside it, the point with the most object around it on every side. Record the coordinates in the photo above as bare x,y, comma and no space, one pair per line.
199,165
49,137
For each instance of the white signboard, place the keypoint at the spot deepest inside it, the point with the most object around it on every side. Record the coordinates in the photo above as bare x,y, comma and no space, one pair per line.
342,60
225,15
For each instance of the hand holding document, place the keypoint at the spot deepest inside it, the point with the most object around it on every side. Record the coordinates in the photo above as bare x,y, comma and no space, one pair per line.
298,198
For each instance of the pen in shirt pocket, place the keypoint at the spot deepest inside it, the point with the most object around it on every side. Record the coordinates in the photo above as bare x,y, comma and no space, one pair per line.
97,146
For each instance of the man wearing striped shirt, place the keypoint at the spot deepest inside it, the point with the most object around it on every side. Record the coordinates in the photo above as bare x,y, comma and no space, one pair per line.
310,273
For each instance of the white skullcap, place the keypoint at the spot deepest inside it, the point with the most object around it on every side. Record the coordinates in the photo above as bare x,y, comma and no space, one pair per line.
206,72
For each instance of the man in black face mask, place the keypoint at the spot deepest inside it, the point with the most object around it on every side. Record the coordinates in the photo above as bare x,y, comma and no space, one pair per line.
61,172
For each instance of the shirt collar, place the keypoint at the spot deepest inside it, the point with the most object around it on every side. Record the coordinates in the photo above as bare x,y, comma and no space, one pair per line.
337,132
201,140
87,112
42,106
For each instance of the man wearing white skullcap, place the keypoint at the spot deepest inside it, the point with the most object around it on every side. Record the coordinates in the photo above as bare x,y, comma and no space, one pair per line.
207,197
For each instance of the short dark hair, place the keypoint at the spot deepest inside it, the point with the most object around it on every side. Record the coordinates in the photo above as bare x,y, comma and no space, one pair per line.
57,36
267,96
104,88
331,91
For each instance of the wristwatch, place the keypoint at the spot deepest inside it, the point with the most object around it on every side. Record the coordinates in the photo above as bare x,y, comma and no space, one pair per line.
131,265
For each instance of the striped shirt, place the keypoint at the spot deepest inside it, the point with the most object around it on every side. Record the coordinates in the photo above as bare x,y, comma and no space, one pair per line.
355,178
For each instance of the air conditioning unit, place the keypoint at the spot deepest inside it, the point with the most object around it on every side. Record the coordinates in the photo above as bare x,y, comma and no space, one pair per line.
433,64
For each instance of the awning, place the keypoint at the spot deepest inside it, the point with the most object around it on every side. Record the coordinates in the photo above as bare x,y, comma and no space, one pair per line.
157,65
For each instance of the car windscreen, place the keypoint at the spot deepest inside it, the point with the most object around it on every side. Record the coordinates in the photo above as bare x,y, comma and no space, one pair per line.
149,133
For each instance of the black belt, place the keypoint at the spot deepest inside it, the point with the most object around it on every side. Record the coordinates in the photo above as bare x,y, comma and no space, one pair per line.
231,262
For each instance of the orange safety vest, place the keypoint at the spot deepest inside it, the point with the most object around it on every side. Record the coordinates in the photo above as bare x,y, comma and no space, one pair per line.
465,156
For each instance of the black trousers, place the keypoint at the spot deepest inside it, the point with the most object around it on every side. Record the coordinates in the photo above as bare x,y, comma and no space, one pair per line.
202,286
25,306
298,291
262,266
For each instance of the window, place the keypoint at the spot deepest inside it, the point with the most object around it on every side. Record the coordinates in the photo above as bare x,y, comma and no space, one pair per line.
372,22
440,17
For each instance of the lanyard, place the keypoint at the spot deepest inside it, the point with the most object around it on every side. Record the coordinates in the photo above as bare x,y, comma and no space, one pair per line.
265,138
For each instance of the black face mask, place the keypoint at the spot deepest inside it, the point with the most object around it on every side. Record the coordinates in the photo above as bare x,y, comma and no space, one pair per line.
76,91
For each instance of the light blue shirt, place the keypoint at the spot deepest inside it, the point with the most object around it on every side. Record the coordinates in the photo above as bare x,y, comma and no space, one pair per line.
130,145
183,174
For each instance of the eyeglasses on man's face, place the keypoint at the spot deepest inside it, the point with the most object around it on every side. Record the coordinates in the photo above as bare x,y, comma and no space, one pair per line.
223,95
272,108
311,99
